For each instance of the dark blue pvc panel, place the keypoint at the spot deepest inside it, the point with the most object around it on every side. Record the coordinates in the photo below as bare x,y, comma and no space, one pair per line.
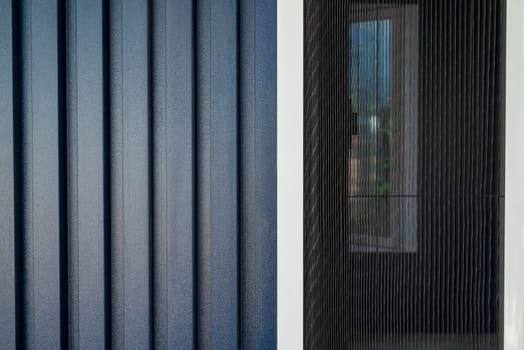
116,173
129,163
7,199
173,164
159,173
180,174
138,188
40,166
135,162
248,205
224,175
217,166
265,81
258,159
85,121
203,169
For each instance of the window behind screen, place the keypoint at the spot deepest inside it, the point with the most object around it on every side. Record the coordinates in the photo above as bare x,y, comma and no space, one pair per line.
403,176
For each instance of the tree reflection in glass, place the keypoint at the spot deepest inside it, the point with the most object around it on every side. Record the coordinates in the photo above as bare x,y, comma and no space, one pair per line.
369,155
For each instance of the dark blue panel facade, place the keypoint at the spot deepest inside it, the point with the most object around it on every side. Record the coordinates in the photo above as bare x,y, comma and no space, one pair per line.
7,189
224,175
40,137
173,137
265,82
85,174
138,163
135,163
258,174
203,171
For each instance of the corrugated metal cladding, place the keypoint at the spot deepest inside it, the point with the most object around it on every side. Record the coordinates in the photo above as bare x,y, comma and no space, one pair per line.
138,174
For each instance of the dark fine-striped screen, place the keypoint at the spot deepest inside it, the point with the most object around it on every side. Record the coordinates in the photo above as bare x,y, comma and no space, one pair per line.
403,174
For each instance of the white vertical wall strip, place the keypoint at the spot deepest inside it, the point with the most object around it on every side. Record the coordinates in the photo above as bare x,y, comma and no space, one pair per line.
290,177
514,200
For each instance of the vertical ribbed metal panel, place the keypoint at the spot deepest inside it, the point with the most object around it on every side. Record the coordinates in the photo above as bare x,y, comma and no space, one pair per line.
258,159
174,172
40,197
85,173
138,163
7,185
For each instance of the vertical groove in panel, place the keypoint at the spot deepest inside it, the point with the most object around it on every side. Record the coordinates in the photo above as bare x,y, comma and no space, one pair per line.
72,172
203,169
159,175
18,174
63,155
107,179
26,177
7,185
248,178
115,115
151,206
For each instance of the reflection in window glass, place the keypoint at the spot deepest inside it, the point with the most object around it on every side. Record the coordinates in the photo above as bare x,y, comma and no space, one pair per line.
371,101
370,151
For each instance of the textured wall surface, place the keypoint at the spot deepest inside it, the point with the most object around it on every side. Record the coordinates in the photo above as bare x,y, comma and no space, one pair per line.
138,174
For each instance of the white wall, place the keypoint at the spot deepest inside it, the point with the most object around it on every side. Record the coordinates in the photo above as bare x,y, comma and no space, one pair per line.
514,192
290,178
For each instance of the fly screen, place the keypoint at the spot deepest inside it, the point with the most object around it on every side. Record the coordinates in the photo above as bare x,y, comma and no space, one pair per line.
403,174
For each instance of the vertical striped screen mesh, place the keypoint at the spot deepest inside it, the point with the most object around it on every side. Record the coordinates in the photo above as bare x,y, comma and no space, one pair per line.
403,154
137,174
